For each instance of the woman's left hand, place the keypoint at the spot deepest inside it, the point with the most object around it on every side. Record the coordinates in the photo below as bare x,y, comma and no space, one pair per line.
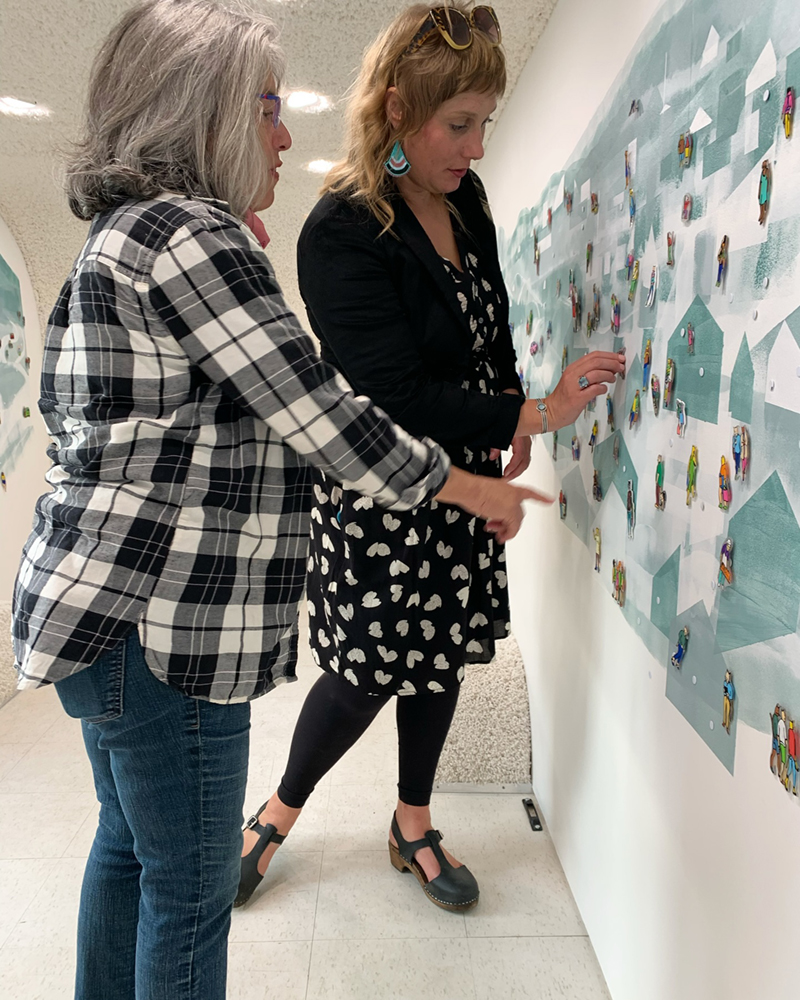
520,457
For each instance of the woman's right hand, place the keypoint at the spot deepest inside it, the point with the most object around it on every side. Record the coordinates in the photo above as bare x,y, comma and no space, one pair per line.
568,399
495,500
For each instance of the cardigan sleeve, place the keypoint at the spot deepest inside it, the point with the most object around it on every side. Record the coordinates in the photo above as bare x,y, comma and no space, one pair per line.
356,312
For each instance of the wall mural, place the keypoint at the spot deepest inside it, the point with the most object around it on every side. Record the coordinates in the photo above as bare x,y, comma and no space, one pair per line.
15,407
674,231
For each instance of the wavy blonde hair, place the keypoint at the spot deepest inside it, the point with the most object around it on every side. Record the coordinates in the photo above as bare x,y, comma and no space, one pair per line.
424,79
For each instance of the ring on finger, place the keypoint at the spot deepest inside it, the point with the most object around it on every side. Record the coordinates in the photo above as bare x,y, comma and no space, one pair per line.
583,382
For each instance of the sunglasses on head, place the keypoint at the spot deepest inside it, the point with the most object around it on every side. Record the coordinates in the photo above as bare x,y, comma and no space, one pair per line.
276,107
457,28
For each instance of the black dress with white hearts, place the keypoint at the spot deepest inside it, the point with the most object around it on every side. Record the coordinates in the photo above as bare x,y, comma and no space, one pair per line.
399,601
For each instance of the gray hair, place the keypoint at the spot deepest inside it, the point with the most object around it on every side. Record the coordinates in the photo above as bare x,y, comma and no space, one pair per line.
173,106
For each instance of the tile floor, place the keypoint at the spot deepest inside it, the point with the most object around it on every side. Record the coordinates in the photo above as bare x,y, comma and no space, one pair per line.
337,921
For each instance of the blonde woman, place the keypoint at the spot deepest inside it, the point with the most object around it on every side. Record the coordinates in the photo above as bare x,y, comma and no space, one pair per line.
398,268
159,588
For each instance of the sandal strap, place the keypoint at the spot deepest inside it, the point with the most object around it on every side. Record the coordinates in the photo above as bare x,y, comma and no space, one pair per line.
268,833
408,848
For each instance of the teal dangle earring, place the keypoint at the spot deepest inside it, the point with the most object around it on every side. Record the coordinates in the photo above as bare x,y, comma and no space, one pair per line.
397,164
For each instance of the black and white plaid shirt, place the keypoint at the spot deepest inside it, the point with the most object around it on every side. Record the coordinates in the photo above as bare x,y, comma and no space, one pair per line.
186,403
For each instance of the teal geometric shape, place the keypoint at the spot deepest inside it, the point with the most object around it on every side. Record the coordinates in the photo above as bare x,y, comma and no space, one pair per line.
633,381
611,473
792,73
730,107
742,378
699,392
578,517
716,155
695,688
10,300
664,602
764,599
734,45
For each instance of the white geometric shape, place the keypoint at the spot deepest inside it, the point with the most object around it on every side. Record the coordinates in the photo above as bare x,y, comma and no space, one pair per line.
665,107
545,242
586,190
784,357
700,120
711,47
559,198
766,67
607,263
751,132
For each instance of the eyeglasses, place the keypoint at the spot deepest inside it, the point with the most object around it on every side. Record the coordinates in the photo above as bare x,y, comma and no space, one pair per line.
276,109
456,28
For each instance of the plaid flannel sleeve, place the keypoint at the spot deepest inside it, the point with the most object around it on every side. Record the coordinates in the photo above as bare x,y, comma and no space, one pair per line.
217,296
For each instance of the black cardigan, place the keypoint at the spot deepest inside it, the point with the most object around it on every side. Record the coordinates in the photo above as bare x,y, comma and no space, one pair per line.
384,310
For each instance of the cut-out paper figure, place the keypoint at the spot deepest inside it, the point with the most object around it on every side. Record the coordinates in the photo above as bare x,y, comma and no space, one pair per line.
534,347
788,112
661,493
571,282
27,364
618,581
529,323
670,249
655,391
576,309
791,749
680,411
588,256
596,306
562,505
536,253
669,382
597,489
563,360
685,146
686,214
26,411
722,260
745,452
595,203
550,330
615,451
610,412
627,169
631,205
576,448
558,288
629,261
634,281
689,338
763,192
691,477
549,218
633,416
783,733
589,323
615,310
597,544
555,445
647,359
651,293
728,694
630,509
682,645
724,484
593,436
736,446
3,481
725,577
568,202
774,756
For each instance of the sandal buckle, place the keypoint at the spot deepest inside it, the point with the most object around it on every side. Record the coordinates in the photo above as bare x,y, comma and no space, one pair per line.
253,821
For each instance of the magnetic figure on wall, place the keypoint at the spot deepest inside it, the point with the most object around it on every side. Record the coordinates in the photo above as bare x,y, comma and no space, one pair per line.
630,509
555,445
783,748
651,293
725,578
685,146
774,756
724,484
576,309
597,489
618,581
610,413
529,323
661,493
627,169
615,450
576,448
534,347
788,112
615,310
686,213
558,288
595,203
568,202
593,436
588,256
549,218
680,412
728,694
670,249
655,392
536,252
562,505
597,544
647,359
722,260
631,205
682,645
596,306
745,452
736,447
550,330
633,416
3,481
691,477
790,784
634,281
629,262
763,192
689,338
669,382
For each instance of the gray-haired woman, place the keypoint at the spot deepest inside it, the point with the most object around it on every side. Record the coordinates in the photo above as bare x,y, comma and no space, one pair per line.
159,587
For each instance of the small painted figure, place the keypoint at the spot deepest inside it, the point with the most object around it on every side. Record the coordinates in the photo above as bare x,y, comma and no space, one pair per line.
685,145
686,214
536,253
610,412
689,338
593,436
562,505
631,205
571,282
615,450
589,323
683,644
568,202
541,342
680,411
550,330
3,482
555,445
595,204
529,323
722,260
634,281
622,351
588,256
627,169
691,477
591,406
597,544
633,417
618,581
534,347
630,509
558,288
576,448
647,359
791,746
724,484
26,411
670,249
651,294
736,446
774,756
728,694
745,452
655,392
596,306
783,733
669,382
763,193
597,489
576,309
27,364
549,218
725,577
615,310
564,360
661,493
788,112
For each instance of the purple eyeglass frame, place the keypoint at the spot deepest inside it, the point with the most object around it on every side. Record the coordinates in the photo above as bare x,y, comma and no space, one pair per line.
276,112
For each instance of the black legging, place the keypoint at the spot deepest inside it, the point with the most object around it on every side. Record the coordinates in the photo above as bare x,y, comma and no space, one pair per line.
334,717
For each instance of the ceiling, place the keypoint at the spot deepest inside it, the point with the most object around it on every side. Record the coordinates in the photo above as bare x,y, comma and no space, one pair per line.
46,50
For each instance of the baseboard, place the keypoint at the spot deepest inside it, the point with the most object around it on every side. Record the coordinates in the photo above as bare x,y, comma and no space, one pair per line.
524,788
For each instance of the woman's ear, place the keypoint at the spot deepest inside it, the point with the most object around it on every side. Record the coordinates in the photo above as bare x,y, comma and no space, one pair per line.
394,107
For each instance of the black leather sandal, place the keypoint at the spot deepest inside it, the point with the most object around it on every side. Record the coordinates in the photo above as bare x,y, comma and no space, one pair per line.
251,876
453,889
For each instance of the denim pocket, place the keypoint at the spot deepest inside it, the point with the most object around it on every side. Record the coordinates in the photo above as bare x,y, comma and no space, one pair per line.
94,694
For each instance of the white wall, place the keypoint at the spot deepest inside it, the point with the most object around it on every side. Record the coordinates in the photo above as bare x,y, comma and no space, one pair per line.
26,481
688,878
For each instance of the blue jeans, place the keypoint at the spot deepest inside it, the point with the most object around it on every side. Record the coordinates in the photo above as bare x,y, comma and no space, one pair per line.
170,774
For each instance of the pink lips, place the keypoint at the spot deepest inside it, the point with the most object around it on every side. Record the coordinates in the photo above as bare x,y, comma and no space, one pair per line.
458,173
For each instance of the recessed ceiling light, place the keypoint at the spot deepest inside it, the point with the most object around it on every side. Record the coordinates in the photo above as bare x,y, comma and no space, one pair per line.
319,166
13,106
307,100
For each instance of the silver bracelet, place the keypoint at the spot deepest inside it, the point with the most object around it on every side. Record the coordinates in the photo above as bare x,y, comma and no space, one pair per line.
541,406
